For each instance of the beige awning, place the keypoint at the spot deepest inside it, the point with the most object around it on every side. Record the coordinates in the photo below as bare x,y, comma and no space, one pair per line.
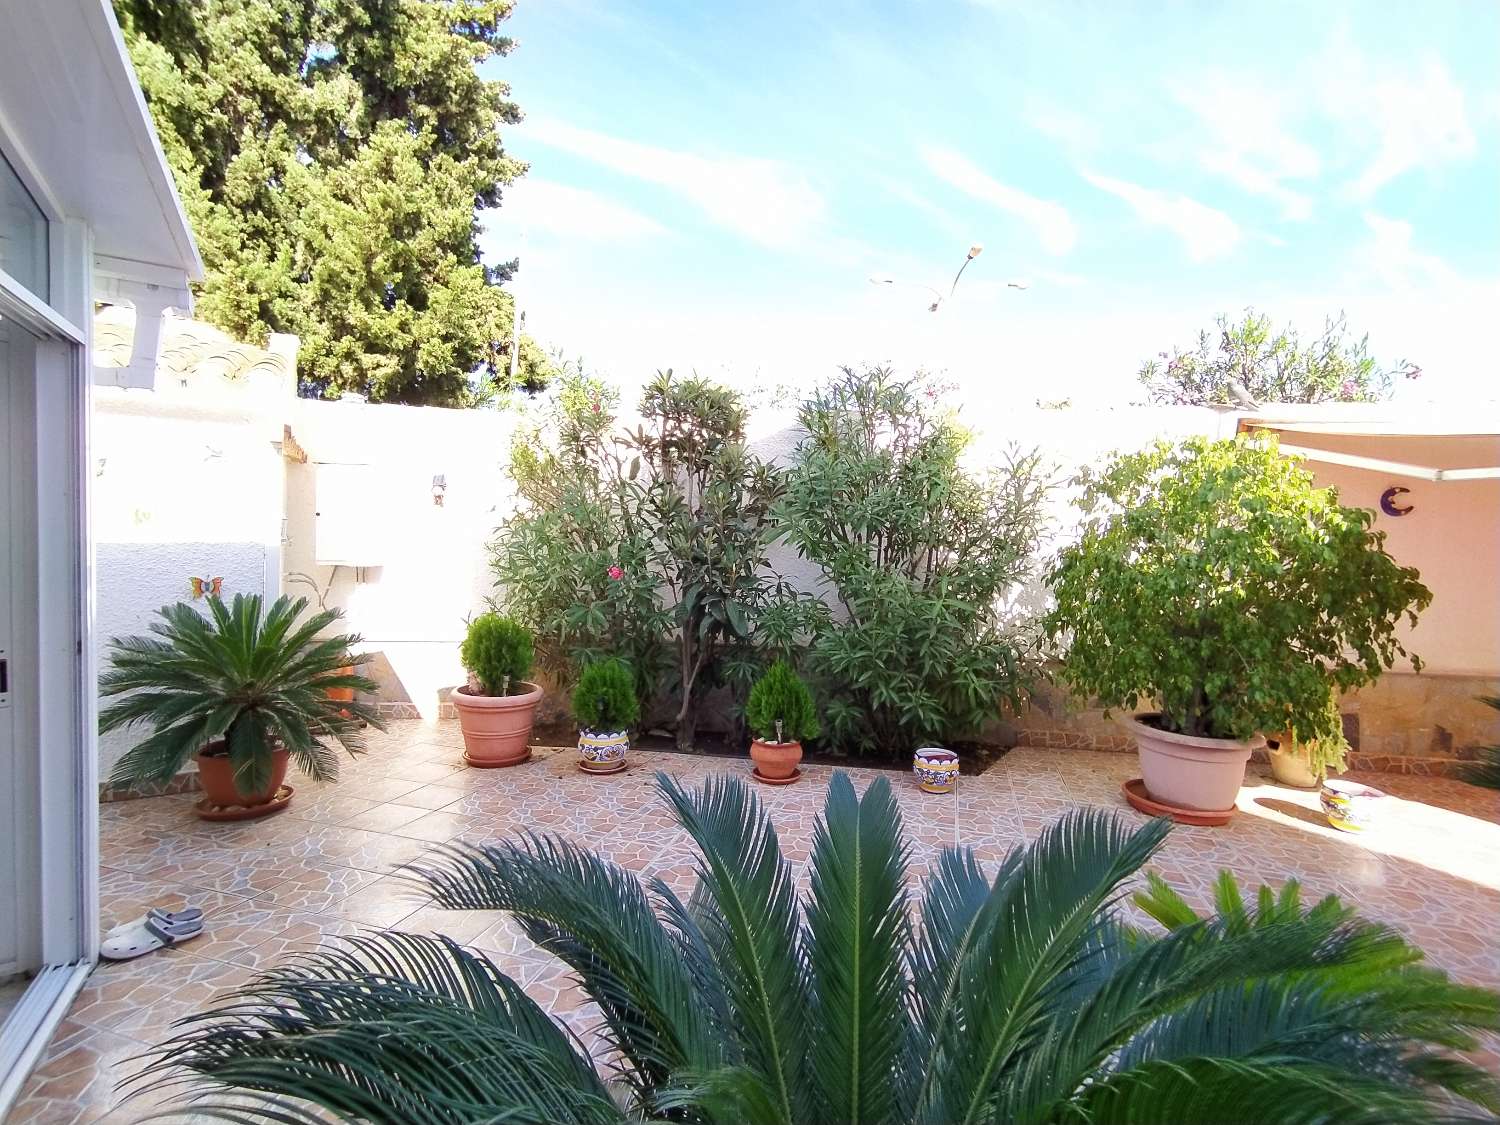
1419,427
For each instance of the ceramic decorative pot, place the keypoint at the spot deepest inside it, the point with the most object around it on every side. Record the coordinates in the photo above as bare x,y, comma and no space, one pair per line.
1290,765
497,728
936,769
216,775
1351,806
603,751
775,761
1186,772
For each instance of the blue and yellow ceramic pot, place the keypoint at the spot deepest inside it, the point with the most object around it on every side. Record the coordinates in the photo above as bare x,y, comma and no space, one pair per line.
603,751
1351,806
936,769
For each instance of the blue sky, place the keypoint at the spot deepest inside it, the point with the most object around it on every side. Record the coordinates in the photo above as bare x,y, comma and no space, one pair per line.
712,185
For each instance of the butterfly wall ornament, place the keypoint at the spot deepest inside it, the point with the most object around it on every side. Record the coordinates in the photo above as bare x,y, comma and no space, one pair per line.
213,587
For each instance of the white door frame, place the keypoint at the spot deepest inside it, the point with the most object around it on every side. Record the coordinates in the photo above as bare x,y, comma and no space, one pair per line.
53,661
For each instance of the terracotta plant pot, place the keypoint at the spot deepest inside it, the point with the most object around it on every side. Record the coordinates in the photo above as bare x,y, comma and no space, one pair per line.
216,775
1290,765
936,769
775,761
497,728
603,751
1185,772
342,694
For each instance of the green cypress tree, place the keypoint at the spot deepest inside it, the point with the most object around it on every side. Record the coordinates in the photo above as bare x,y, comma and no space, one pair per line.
334,157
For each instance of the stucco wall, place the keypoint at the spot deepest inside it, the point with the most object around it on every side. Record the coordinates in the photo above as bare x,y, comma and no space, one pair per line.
181,490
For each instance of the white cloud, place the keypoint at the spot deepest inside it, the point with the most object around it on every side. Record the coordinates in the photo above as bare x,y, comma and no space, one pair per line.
1205,232
1414,116
766,201
1391,257
544,205
1053,225
1244,138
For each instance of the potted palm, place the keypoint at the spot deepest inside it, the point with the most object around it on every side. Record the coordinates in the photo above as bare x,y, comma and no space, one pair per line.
241,692
1214,578
780,713
605,706
497,707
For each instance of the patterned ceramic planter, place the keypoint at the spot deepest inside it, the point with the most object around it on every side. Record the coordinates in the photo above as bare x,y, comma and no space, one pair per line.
936,769
1351,806
603,751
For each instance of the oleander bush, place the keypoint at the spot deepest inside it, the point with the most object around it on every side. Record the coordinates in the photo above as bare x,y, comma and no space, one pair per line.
650,543
1216,579
920,554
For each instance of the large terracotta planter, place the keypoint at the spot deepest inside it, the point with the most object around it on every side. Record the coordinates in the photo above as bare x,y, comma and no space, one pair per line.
342,694
775,761
497,728
216,775
1185,772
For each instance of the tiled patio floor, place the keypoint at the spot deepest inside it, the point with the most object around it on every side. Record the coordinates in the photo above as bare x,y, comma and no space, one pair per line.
322,868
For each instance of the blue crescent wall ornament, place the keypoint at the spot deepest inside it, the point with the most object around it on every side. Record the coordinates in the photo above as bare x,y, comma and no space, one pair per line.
1388,503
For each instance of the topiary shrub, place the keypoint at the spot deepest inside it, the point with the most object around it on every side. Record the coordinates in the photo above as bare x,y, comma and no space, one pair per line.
604,699
497,651
781,708
1213,577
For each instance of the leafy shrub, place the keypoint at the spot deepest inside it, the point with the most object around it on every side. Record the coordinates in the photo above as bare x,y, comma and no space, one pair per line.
574,563
1270,366
249,679
920,554
650,544
1214,577
1020,992
781,708
498,652
604,699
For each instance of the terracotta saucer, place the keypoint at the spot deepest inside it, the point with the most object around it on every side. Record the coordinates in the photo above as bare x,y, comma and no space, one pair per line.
495,765
1135,793
206,811
760,777
616,768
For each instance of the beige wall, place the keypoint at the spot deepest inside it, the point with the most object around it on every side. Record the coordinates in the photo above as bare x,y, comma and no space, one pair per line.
1451,535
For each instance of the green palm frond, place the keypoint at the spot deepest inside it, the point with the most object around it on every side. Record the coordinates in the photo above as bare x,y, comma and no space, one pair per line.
1485,770
254,679
597,918
856,931
1018,996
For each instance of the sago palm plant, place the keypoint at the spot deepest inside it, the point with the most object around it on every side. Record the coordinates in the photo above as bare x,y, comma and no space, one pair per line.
1014,995
254,681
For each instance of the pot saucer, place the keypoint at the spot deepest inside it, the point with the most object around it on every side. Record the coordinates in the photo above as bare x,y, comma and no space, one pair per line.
616,768
478,765
207,811
764,780
1135,793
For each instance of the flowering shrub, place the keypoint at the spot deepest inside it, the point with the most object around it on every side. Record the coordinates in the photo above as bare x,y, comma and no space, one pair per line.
1270,367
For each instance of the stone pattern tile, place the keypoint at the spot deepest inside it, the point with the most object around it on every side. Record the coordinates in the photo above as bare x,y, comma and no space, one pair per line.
322,870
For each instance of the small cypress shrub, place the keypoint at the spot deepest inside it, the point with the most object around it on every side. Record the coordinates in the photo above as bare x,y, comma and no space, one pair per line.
498,652
604,699
781,708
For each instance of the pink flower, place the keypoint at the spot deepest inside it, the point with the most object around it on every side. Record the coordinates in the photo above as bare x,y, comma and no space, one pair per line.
1349,388
596,406
616,573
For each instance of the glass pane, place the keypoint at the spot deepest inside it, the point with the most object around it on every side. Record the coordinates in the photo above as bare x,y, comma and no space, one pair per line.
23,234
